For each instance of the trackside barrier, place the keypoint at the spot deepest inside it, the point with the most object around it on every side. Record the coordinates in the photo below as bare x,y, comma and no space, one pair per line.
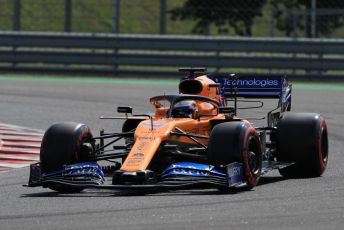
159,54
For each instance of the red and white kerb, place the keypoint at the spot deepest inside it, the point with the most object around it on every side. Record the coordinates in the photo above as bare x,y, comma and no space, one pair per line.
19,146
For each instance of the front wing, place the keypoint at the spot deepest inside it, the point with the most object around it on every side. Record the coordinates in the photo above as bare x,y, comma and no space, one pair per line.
182,175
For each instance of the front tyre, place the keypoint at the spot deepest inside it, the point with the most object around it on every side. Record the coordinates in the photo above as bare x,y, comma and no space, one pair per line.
303,139
237,141
63,144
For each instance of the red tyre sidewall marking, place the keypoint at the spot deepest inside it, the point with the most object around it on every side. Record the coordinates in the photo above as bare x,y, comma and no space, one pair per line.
251,181
85,133
322,162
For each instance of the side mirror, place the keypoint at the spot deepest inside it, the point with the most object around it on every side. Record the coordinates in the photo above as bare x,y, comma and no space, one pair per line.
124,109
226,110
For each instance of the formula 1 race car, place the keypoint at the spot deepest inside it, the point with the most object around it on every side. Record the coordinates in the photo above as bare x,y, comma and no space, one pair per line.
193,140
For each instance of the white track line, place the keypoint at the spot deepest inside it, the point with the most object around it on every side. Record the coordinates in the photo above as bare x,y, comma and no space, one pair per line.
10,150
16,157
21,145
14,165
15,127
20,138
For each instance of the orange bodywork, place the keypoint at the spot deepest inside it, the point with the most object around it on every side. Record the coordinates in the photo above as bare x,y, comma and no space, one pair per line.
207,89
151,133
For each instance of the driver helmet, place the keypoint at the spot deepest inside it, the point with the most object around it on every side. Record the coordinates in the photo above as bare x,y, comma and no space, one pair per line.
184,109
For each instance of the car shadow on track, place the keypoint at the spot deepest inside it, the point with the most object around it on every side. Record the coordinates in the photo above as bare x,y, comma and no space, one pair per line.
270,180
116,193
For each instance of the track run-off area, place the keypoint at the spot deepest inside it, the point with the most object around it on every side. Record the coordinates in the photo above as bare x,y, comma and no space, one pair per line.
276,203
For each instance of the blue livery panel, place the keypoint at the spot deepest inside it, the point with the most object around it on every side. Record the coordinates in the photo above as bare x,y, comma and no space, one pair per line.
235,174
85,172
232,175
192,169
256,87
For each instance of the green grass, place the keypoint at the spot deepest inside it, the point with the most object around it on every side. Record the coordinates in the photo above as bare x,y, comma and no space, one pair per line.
136,16
90,79
6,15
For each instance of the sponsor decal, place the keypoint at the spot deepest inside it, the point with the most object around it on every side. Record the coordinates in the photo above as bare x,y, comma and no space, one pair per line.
82,169
135,159
189,171
235,173
134,162
156,124
194,169
249,82
141,145
187,165
146,138
138,155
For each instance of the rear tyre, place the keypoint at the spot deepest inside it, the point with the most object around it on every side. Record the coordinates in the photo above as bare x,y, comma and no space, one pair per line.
237,142
303,139
63,144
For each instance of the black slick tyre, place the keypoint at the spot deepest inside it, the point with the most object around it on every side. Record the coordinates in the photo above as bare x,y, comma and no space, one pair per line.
237,141
63,144
302,138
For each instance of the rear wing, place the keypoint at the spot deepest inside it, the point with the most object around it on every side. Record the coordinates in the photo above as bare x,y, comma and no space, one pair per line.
251,86
254,86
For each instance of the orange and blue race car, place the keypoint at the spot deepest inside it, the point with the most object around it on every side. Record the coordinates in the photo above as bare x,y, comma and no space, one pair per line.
194,139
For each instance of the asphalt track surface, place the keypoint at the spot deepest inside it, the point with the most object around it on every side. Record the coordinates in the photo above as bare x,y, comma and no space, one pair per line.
316,203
